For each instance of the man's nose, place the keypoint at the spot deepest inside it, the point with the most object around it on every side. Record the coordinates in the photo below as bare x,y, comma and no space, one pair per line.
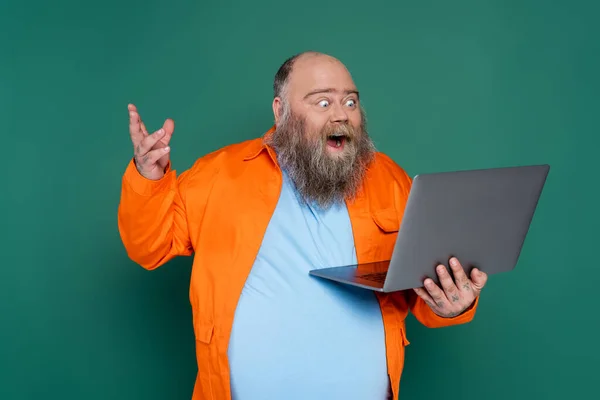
338,114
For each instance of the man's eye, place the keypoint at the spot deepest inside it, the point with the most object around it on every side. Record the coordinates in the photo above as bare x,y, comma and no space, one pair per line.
323,103
351,103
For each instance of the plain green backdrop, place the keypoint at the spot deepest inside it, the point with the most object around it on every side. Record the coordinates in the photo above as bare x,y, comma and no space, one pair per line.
446,85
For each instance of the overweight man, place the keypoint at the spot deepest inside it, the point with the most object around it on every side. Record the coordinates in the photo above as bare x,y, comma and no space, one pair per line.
311,192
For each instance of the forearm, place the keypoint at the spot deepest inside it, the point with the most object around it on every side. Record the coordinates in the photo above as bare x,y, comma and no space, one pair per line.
151,219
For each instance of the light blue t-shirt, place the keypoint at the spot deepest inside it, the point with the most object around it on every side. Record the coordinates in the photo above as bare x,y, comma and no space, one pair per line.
297,337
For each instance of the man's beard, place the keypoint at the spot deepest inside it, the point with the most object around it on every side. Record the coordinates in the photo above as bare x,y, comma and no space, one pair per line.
319,176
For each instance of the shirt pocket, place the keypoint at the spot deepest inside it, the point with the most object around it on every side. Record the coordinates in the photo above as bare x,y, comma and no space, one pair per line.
385,232
204,332
387,220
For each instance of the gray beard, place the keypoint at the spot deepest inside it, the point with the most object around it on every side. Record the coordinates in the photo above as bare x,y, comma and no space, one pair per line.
318,176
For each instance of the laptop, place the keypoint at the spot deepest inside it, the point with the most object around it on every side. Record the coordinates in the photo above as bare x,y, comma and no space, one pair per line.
480,216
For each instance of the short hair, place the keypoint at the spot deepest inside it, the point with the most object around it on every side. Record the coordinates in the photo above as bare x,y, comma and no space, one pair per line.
283,73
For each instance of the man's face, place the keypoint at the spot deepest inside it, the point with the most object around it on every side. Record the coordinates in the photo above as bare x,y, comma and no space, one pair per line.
322,92
321,139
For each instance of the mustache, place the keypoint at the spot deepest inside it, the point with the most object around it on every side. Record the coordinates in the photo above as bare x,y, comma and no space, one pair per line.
346,130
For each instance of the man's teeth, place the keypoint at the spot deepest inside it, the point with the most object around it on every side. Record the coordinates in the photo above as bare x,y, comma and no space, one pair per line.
337,139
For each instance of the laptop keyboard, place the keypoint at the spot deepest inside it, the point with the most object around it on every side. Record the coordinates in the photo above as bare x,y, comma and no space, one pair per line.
374,277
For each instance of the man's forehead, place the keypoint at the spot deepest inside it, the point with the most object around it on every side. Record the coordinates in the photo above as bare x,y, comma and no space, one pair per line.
320,74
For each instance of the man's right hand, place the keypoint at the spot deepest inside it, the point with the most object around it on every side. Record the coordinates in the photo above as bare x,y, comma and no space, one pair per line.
151,152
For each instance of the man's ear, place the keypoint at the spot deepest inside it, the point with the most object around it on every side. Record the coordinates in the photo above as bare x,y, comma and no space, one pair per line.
277,103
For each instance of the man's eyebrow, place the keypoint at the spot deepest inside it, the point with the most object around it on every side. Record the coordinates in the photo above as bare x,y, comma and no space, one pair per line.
330,90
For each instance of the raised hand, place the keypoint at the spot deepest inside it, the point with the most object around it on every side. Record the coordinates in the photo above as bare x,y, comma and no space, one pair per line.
151,152
456,295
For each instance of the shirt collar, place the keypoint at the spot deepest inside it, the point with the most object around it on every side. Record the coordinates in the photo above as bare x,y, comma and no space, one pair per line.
259,146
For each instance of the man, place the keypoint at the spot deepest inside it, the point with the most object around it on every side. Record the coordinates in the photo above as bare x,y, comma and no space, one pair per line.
312,192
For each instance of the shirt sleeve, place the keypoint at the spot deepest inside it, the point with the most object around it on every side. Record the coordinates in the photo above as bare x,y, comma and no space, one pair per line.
152,217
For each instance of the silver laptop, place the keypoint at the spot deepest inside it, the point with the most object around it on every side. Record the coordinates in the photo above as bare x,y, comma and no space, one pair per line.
480,216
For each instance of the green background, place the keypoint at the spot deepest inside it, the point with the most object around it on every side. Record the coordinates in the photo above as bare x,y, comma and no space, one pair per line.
446,85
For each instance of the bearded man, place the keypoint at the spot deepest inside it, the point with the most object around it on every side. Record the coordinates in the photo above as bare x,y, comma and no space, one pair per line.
312,192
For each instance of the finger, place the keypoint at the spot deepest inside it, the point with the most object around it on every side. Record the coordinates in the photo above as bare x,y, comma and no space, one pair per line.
438,296
479,278
167,129
422,293
149,142
143,127
135,129
164,160
460,277
150,159
448,284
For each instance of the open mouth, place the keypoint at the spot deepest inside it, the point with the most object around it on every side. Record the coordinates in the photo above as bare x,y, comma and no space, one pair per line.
336,141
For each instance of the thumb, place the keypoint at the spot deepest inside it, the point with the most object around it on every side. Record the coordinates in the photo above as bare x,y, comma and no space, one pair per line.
169,127
479,278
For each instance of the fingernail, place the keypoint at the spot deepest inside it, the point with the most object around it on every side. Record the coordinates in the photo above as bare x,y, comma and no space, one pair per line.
453,261
440,268
167,149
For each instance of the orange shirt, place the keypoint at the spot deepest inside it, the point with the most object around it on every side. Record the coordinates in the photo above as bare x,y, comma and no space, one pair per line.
219,210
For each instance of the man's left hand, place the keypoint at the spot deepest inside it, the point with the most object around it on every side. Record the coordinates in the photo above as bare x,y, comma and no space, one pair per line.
456,295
